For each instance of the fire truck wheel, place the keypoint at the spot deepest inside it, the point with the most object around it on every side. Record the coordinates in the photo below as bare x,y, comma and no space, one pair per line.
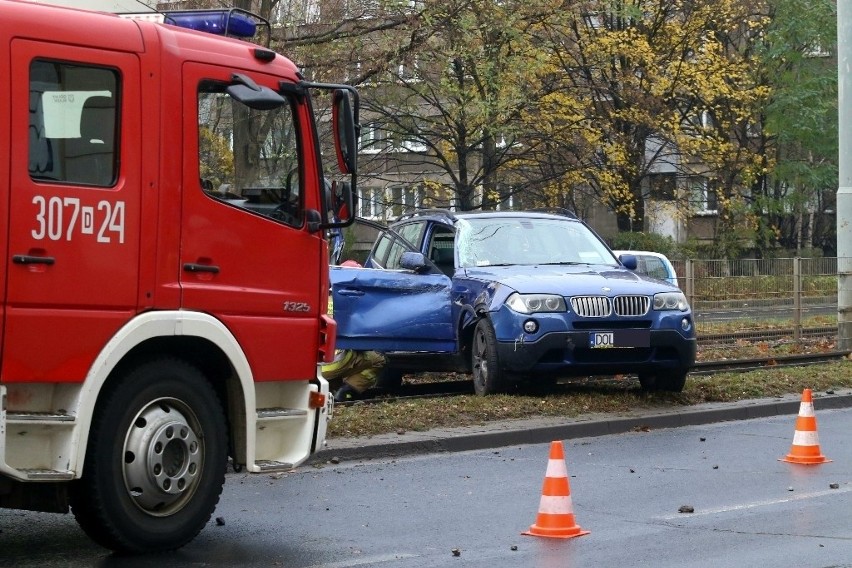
155,462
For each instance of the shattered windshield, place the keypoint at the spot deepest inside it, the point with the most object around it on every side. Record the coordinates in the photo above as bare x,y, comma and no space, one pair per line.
526,241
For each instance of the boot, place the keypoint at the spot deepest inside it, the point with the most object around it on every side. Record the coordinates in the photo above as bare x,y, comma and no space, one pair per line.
346,394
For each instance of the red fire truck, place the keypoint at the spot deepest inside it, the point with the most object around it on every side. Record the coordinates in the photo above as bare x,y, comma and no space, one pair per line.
165,215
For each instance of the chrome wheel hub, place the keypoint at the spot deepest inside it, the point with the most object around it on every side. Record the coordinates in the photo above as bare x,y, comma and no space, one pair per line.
162,457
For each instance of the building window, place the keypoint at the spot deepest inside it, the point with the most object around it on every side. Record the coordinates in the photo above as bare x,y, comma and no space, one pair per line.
396,201
395,204
702,195
405,142
413,144
412,197
663,186
593,21
371,203
296,13
371,136
408,71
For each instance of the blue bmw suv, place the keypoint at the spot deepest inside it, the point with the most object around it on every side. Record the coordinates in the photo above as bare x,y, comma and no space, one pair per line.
511,296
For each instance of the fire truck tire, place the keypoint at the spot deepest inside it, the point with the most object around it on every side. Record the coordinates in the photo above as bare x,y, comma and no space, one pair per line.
155,461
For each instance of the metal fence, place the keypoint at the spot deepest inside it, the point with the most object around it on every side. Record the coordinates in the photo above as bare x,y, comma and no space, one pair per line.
780,299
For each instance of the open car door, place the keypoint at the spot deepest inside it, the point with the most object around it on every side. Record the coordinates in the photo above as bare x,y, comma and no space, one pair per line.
393,308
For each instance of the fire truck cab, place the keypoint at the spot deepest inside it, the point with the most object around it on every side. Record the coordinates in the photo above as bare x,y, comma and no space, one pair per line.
164,293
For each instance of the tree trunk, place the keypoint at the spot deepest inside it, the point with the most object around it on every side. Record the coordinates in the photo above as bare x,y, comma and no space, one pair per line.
489,185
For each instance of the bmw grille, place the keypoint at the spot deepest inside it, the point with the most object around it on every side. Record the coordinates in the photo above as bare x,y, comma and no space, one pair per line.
602,306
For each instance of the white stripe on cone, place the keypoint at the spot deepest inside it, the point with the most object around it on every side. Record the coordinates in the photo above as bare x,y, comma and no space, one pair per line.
805,438
556,505
556,468
806,409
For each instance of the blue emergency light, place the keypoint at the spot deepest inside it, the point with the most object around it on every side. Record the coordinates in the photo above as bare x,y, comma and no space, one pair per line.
233,22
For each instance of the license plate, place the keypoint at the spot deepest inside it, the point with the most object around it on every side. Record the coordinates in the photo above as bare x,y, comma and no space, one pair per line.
620,338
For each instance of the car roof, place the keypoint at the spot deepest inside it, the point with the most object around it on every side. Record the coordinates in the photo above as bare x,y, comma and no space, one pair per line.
450,217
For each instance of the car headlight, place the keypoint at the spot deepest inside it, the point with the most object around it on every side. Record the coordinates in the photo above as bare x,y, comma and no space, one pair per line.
670,301
536,303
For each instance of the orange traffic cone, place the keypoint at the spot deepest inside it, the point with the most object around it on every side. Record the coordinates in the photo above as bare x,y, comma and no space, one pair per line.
555,511
805,448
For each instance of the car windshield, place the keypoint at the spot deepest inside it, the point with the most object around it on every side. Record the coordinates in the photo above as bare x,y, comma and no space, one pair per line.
491,241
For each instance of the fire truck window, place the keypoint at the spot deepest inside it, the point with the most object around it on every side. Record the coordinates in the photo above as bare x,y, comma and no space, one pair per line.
73,123
248,158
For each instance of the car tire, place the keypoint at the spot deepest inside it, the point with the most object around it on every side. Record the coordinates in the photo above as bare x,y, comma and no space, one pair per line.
670,381
155,462
488,378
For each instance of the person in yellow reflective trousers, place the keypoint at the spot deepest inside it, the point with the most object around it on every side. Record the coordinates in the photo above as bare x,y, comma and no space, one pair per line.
358,370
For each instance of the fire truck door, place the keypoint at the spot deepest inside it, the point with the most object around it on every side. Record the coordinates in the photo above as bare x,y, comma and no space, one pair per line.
73,257
4,184
246,254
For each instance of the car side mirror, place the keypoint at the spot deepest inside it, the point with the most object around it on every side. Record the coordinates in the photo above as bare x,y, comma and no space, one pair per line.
629,261
413,261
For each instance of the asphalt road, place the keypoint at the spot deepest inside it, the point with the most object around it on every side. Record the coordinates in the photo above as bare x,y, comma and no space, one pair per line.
411,500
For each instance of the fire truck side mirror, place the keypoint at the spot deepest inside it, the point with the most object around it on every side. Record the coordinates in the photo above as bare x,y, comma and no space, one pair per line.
339,197
343,121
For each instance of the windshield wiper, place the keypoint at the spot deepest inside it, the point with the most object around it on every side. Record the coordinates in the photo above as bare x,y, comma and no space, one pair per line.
565,262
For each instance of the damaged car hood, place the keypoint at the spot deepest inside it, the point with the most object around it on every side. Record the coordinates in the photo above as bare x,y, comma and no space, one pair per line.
565,279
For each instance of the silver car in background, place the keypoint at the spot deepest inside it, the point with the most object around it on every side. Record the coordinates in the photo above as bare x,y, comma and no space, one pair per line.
652,264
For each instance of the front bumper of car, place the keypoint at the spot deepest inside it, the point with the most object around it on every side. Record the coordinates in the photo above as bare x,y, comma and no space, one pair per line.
569,354
562,346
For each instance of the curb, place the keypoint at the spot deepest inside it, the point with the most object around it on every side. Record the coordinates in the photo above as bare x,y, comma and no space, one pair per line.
536,431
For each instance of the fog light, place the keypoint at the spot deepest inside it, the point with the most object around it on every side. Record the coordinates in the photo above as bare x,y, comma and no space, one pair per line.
531,326
685,325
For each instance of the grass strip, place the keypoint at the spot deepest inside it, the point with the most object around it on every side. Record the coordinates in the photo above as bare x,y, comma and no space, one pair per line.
605,396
